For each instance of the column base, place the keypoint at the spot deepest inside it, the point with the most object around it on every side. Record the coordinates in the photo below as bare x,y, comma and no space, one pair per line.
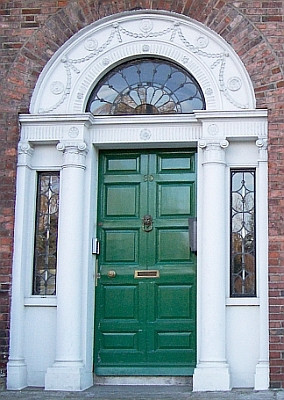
68,377
211,376
16,375
261,377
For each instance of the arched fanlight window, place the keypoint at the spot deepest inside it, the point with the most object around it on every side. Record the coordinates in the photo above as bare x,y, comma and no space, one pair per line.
146,86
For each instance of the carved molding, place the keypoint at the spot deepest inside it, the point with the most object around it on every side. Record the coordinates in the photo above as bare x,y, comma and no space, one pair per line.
74,69
74,154
33,132
48,128
262,145
210,126
25,152
213,151
25,148
213,130
139,134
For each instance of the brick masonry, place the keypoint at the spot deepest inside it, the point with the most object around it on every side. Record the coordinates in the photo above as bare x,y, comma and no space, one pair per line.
31,31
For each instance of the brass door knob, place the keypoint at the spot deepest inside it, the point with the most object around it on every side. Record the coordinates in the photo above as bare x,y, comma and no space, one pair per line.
111,274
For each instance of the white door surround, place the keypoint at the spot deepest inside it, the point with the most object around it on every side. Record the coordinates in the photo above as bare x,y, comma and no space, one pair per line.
68,78
58,134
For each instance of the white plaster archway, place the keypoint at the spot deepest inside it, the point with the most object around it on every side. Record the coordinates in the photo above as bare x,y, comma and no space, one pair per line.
70,75
229,125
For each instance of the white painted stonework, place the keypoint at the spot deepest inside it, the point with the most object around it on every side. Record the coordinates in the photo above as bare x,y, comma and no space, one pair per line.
67,80
52,337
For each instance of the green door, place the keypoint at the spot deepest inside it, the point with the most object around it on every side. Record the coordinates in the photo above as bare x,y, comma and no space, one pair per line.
146,291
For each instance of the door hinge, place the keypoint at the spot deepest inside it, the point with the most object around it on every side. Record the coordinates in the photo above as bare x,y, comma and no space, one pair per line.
95,246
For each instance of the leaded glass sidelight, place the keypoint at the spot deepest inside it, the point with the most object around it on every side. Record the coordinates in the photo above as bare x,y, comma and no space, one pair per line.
146,86
45,250
243,265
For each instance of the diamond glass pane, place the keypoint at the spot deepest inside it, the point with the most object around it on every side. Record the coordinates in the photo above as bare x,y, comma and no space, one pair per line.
146,86
45,251
243,265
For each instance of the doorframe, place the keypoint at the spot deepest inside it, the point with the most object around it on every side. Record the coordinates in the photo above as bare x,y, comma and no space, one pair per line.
160,371
58,134
211,134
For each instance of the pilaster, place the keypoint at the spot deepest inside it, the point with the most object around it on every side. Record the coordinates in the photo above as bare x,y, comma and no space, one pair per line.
17,369
262,367
212,371
68,371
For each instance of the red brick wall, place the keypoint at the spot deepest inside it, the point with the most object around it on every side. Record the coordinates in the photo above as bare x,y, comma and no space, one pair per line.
31,31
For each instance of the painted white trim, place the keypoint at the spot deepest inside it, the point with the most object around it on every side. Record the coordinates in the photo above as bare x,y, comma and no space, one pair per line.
40,301
68,78
186,131
58,119
262,368
17,368
240,125
242,301
68,371
212,370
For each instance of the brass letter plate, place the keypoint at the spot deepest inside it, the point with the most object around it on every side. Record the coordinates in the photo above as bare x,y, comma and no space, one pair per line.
146,273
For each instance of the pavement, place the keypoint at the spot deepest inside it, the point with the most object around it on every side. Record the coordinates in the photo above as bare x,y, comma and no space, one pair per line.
179,392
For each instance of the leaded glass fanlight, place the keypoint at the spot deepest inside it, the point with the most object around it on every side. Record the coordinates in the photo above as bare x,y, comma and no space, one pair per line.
146,86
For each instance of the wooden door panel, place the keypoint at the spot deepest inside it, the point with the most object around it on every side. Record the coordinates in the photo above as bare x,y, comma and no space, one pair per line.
121,333
120,302
119,164
173,245
174,200
122,200
120,349
172,163
171,328
146,325
121,246
174,302
172,340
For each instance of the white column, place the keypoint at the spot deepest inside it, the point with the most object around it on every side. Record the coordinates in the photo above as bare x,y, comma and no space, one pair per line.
212,372
68,371
16,368
262,367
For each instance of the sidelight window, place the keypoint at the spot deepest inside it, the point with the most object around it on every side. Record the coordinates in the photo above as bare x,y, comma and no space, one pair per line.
243,263
146,86
46,228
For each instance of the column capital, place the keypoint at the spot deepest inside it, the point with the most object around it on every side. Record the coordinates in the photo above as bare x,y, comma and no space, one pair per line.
74,154
25,152
262,145
203,143
213,150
